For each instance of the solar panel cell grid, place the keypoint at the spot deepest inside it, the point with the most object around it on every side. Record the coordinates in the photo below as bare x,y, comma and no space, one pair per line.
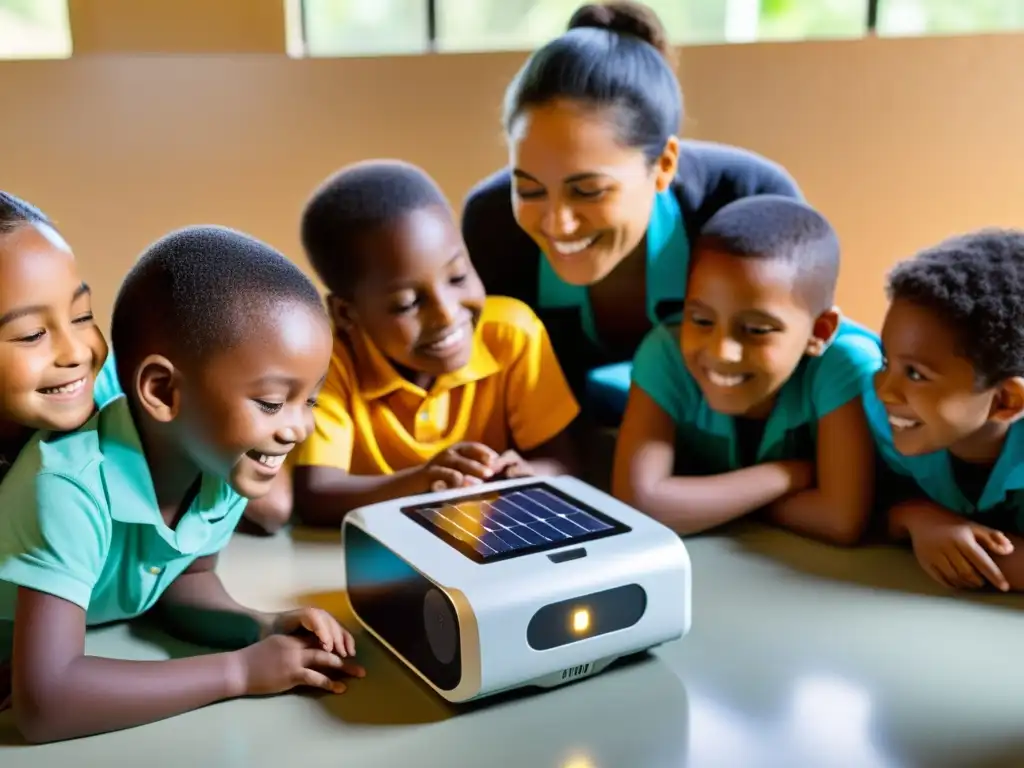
518,520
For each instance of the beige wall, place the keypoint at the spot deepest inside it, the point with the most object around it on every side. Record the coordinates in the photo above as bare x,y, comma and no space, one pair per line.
900,142
177,26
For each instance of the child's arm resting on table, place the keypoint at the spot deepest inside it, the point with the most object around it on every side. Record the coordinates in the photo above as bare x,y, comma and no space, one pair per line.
324,491
955,551
642,476
325,494
837,508
60,693
322,495
201,609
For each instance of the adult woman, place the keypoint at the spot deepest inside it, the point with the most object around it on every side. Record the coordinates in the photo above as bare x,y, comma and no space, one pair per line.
605,198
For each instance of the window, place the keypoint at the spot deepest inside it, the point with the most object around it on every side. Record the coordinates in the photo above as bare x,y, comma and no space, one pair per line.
364,27
376,27
480,25
34,29
809,19
941,17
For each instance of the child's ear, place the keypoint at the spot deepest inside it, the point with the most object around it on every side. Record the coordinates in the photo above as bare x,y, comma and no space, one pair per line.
1008,404
158,388
823,331
667,165
342,313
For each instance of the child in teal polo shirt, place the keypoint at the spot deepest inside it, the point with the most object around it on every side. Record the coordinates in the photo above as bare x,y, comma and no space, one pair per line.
51,349
946,409
751,400
222,345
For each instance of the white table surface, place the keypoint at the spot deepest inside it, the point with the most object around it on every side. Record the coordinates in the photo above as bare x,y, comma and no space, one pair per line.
801,655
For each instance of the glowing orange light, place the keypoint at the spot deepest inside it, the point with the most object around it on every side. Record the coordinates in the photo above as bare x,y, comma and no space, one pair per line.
580,620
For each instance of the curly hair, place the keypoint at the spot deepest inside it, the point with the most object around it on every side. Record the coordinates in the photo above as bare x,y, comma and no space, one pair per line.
975,283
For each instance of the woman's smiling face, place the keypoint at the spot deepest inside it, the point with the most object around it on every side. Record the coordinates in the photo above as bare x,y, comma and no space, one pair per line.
582,195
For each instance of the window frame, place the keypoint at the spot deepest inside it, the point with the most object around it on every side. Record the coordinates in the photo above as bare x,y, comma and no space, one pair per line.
431,44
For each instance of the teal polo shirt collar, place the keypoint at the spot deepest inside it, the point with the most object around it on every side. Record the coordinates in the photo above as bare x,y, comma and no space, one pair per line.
668,258
933,472
787,414
1007,475
132,498
107,388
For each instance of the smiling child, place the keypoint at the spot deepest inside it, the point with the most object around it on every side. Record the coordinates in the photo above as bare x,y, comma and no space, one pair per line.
752,401
946,408
222,345
433,383
51,350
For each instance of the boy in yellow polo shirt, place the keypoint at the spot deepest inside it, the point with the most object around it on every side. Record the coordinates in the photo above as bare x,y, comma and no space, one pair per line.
432,383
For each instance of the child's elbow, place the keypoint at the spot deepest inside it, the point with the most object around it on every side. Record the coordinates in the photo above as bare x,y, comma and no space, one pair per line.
624,489
639,495
314,506
270,514
847,536
851,522
311,510
37,721
315,515
35,730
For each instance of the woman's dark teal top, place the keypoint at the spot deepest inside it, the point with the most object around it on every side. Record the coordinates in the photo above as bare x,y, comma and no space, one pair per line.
709,177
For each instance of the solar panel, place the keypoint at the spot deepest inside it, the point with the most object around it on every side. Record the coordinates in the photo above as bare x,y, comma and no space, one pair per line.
513,522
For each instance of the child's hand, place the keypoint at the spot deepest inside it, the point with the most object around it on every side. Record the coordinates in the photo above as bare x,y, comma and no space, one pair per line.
462,465
282,662
956,552
511,465
331,636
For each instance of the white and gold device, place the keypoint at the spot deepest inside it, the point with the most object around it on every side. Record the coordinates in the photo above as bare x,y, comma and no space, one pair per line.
528,582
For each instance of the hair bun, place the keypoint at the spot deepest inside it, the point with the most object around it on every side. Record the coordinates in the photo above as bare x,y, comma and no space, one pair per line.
624,18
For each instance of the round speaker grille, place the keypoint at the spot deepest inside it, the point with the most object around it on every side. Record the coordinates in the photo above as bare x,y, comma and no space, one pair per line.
440,625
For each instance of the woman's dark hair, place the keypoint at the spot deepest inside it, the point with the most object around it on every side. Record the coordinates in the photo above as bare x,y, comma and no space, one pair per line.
614,56
15,212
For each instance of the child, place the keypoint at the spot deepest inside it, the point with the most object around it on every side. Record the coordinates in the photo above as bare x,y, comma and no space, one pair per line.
754,402
432,384
51,350
221,346
946,408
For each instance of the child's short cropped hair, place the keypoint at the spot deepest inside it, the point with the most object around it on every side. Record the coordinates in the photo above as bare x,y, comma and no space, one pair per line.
784,229
193,290
356,200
